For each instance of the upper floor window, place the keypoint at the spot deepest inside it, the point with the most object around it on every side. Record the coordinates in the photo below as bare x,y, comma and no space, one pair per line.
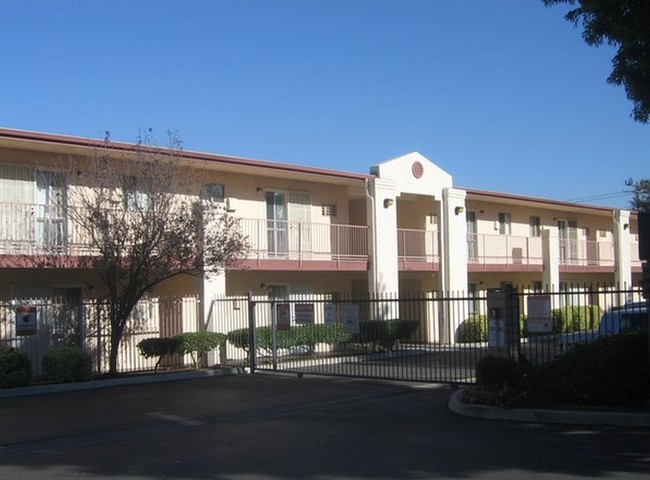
214,192
136,196
504,224
535,226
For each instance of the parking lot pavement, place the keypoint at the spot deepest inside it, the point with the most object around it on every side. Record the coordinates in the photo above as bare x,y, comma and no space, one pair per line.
266,426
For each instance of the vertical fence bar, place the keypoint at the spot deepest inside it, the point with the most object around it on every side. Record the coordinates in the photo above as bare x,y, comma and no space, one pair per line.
251,333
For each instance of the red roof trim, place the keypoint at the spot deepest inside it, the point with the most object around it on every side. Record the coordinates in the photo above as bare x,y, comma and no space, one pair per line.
65,140
511,196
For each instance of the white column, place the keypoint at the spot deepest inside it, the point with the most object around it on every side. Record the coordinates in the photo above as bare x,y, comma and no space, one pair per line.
622,246
211,287
453,268
551,258
383,272
453,236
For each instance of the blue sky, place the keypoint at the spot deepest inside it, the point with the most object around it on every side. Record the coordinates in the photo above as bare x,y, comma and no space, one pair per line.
502,94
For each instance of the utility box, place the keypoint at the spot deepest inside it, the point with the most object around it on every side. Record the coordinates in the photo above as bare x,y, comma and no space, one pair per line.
503,322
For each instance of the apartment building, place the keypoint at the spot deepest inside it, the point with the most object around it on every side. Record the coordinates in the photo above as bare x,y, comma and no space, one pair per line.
403,227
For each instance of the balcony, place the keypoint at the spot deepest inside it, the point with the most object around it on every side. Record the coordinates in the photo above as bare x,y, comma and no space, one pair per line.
287,245
494,252
587,255
418,249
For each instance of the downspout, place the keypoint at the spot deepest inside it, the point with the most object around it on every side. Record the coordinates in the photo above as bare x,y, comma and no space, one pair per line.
373,236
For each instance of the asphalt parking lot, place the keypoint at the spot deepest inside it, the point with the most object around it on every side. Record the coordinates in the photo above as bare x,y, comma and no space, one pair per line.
266,426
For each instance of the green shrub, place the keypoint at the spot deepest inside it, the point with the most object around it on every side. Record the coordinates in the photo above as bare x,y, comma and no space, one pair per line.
307,336
68,364
576,319
611,372
474,329
198,343
15,368
159,347
383,334
500,372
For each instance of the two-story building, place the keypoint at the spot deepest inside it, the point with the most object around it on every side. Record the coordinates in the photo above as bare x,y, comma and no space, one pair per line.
403,227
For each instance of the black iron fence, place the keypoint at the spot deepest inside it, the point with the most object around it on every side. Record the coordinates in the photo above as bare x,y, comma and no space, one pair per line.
424,337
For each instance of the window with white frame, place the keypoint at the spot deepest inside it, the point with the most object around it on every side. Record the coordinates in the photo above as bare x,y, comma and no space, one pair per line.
535,226
504,224
214,192
136,196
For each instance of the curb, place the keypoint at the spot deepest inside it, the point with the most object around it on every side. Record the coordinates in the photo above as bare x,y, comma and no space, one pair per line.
538,415
115,382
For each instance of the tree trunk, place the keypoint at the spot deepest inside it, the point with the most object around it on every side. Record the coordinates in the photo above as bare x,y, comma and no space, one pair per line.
117,328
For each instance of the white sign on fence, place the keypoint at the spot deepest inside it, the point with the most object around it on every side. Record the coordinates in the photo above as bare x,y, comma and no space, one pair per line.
329,314
283,318
540,319
26,322
351,317
304,313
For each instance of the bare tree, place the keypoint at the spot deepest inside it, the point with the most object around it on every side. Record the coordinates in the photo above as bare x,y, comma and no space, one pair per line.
144,222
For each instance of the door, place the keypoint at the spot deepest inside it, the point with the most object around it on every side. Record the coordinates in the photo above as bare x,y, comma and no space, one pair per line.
472,237
568,233
276,225
50,203
300,234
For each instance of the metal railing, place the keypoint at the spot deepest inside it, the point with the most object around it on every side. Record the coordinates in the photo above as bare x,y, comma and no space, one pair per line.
509,250
417,246
304,241
85,325
420,337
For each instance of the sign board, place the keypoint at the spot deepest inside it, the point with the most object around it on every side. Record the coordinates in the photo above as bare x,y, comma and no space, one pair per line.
304,313
329,314
351,318
540,319
26,320
283,318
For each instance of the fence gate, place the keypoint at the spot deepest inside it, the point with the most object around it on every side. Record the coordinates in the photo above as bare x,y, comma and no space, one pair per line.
423,337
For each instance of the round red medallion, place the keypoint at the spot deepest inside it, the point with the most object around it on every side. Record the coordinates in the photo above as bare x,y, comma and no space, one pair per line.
417,169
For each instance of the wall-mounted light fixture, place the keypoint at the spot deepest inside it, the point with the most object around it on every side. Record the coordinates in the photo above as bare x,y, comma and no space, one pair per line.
258,189
388,202
626,226
459,210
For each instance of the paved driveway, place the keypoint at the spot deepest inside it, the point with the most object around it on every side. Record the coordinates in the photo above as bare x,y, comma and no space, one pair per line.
267,426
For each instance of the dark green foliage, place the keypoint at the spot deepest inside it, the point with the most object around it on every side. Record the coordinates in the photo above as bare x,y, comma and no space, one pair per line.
159,347
383,334
623,24
576,319
15,368
612,371
68,364
305,336
198,343
500,372
474,329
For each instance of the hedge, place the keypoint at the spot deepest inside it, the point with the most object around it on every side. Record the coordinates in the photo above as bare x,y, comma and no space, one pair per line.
576,319
379,334
15,368
68,364
474,329
198,343
158,347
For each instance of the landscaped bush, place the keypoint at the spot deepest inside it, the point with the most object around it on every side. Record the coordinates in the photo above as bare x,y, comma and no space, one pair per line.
474,329
198,343
500,372
68,364
15,368
306,336
612,371
576,319
383,334
159,347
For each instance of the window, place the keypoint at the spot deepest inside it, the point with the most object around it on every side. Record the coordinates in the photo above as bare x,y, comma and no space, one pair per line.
135,195
214,192
504,224
535,226
328,210
472,294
